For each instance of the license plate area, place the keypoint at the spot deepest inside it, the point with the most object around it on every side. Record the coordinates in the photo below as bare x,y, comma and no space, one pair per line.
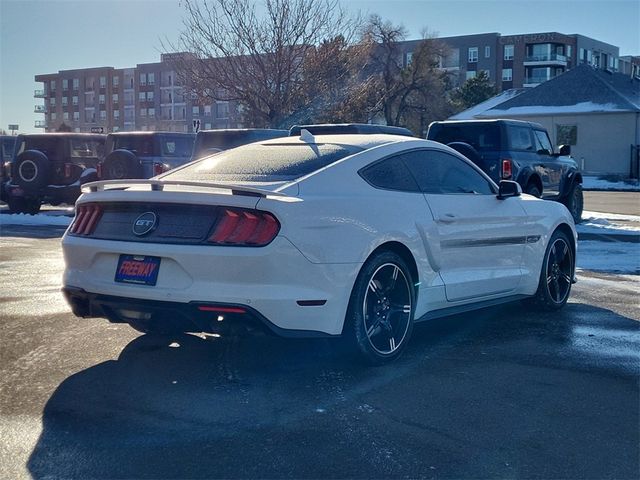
137,269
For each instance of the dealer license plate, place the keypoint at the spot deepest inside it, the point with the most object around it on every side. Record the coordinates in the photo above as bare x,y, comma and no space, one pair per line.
138,269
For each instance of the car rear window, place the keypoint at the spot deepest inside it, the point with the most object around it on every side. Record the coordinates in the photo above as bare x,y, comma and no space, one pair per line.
141,145
481,136
50,146
264,162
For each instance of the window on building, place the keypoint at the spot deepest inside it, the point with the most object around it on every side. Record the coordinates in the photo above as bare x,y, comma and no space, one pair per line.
101,99
52,85
566,134
222,110
76,83
65,84
473,54
569,51
151,79
103,82
471,74
409,58
207,109
487,52
184,113
143,112
207,126
116,81
589,56
116,114
143,79
53,115
76,116
74,100
52,101
581,55
103,114
114,98
65,100
151,112
65,115
507,74
142,96
195,111
508,52
149,96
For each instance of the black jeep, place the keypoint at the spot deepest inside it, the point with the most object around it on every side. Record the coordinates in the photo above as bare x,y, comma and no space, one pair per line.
516,150
7,145
50,168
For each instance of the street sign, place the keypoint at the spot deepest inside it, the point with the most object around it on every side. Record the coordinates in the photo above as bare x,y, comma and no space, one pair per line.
196,125
13,127
97,129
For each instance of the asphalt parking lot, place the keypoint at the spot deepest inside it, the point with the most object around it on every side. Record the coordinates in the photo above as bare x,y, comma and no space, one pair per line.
498,393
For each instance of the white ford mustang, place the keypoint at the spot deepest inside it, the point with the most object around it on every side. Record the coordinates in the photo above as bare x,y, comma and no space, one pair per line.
352,235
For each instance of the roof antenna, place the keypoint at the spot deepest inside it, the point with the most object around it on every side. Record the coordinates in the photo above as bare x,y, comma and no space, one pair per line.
307,136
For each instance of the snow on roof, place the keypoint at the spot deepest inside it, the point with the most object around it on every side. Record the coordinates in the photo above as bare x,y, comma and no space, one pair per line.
476,110
584,107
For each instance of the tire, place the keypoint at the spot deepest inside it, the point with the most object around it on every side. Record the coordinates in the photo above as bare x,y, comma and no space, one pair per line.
532,189
554,286
379,319
121,164
29,206
469,152
575,202
31,170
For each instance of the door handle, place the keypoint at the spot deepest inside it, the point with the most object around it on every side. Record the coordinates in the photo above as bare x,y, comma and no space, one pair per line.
447,218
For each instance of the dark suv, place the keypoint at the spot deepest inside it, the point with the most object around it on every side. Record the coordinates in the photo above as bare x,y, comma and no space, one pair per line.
209,142
144,154
50,168
516,150
7,145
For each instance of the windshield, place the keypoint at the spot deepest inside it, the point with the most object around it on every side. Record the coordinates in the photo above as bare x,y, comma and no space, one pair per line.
263,163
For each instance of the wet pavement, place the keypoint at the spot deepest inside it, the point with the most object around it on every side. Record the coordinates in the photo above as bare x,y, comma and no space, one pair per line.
502,392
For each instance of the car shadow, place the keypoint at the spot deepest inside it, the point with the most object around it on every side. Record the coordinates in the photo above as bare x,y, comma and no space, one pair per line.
203,406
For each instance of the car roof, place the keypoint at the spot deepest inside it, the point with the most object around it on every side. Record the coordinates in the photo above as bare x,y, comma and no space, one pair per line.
363,141
96,136
506,121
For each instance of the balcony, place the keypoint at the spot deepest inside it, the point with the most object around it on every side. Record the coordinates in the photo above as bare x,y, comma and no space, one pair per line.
40,124
546,59
40,109
39,94
535,80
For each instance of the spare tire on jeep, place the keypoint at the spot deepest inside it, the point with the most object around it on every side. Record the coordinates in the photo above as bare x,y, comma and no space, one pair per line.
31,170
121,164
468,151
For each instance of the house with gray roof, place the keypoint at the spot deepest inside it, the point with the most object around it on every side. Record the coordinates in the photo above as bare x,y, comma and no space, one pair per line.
597,112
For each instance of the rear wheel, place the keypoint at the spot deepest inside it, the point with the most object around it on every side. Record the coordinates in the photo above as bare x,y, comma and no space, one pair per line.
555,282
29,206
575,202
380,315
532,189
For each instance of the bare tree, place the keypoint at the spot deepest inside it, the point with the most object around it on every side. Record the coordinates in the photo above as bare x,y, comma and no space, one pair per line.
410,87
255,56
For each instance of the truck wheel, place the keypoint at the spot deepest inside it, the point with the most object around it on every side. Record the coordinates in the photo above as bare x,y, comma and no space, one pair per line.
30,206
575,202
121,164
532,189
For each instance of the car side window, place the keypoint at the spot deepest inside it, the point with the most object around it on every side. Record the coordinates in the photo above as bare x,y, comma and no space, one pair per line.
390,174
520,138
442,173
542,141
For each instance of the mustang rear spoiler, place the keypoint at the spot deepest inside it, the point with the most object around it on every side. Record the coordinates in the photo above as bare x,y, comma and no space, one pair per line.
158,185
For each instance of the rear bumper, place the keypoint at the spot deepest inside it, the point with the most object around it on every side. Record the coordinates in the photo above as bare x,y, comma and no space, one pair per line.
176,317
48,193
275,284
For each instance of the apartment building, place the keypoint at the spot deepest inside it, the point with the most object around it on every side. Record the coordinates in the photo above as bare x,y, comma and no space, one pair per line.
149,96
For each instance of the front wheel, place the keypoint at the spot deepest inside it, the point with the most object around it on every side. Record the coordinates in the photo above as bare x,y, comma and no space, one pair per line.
29,206
556,276
379,319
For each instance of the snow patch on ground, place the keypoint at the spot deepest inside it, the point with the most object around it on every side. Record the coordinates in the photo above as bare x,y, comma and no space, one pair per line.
609,223
599,183
610,257
43,219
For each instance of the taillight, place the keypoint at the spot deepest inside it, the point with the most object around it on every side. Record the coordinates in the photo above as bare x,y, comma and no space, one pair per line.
506,168
99,170
67,170
86,220
245,227
159,168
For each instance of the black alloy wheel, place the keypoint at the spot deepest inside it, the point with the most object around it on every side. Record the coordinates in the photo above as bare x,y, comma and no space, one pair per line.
556,277
381,308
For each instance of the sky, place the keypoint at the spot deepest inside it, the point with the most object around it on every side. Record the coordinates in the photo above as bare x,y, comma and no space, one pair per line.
45,36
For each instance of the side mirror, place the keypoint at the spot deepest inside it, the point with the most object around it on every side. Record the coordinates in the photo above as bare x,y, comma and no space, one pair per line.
565,150
508,188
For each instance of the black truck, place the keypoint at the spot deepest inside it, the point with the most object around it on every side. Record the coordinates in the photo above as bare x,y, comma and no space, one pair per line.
516,150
